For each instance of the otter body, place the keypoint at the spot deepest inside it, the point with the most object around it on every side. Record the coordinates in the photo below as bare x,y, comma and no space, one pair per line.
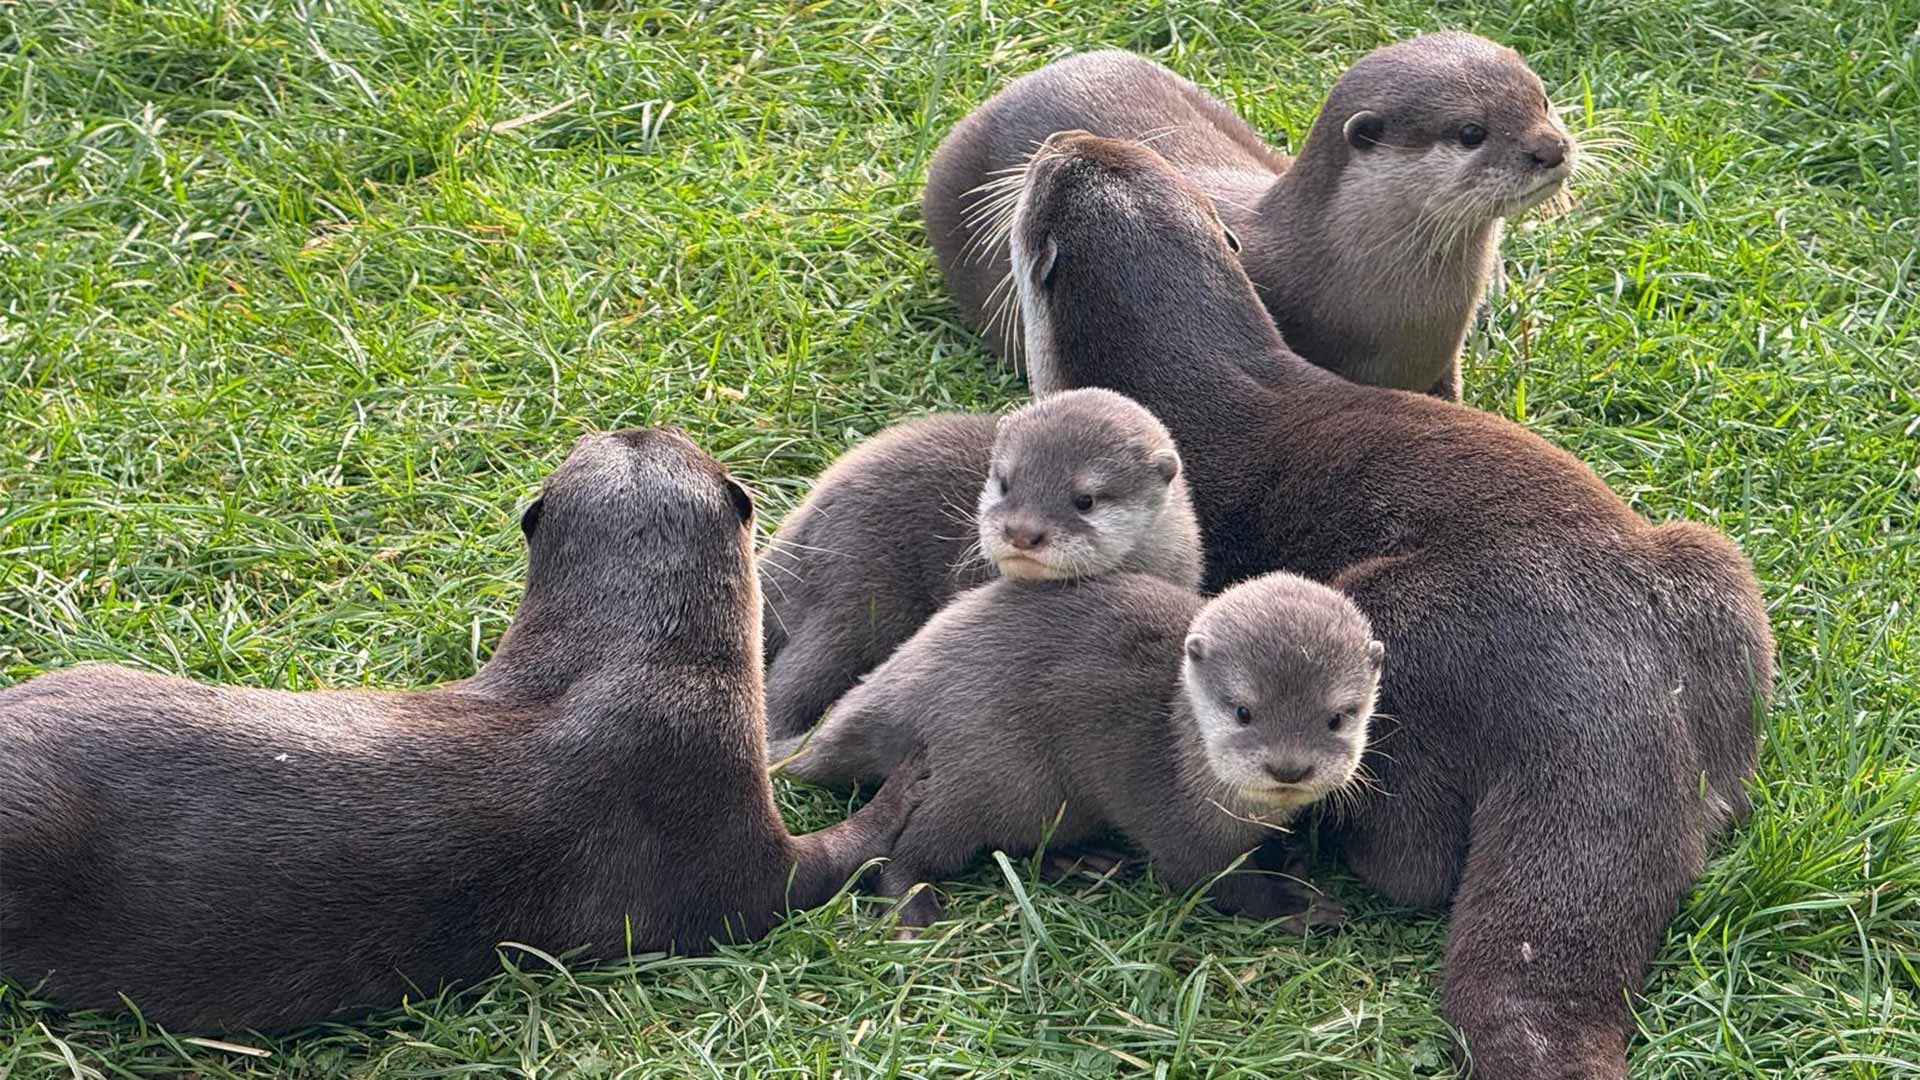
1574,691
908,520
1371,250
1054,711
240,858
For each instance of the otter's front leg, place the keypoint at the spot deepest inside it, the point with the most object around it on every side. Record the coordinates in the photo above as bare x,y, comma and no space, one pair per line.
1184,857
1449,386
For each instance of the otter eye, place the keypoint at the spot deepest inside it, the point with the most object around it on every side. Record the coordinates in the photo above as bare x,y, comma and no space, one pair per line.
1243,714
1335,721
1083,503
1472,135
1001,483
1233,242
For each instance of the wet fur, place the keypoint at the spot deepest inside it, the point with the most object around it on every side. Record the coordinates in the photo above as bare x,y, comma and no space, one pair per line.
1568,718
243,858
1370,257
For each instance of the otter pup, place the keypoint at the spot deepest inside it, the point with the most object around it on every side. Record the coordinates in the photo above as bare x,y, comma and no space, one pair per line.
1569,720
1060,710
1068,486
1371,250
239,858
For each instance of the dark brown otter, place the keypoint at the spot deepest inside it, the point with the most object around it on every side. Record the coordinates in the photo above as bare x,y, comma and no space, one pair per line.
239,858
1569,719
1371,250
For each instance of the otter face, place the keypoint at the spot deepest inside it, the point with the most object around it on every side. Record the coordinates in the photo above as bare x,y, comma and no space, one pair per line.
641,493
1078,481
1454,128
1281,675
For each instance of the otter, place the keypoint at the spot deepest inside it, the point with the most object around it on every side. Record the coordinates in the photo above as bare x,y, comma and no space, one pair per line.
1570,717
1057,711
1372,250
242,858
1068,486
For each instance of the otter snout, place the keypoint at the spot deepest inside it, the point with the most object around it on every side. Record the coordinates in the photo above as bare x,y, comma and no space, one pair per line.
1289,769
1024,535
1549,150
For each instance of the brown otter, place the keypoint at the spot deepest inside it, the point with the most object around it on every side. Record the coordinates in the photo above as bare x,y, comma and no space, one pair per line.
1053,711
1069,486
1371,250
233,858
1569,719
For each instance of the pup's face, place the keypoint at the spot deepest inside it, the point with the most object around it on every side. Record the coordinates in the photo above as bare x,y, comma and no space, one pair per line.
1078,481
1282,687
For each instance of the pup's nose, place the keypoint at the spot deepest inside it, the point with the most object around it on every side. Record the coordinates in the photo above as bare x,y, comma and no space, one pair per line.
1289,771
1024,537
1548,153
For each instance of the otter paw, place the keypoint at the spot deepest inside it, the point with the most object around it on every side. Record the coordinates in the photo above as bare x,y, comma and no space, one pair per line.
1097,861
920,909
1323,913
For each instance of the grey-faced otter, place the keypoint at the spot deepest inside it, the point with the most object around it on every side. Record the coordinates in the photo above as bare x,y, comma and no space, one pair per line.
1063,709
1371,250
242,858
1569,718
1068,486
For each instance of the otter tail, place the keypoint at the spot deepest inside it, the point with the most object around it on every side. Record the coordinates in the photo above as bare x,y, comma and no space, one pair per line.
859,743
1718,625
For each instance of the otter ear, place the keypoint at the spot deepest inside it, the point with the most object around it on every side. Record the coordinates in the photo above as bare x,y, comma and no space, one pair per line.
1197,647
1233,242
742,501
1167,460
1043,273
530,517
1364,129
1376,653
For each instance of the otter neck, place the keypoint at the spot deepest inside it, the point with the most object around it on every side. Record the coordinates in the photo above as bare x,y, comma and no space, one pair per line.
1211,341
1376,285
614,621
1171,548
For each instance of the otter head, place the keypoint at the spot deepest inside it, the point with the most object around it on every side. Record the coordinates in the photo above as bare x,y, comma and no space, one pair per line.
1077,485
634,516
1448,128
1101,218
1281,675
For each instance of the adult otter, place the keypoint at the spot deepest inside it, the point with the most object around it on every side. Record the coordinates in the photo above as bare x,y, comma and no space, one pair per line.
885,538
1055,711
234,858
1569,718
1371,250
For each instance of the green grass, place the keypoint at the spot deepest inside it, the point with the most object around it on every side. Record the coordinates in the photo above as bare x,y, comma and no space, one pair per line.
296,308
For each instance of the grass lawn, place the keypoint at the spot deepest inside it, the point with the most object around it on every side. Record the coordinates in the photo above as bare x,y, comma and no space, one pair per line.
298,302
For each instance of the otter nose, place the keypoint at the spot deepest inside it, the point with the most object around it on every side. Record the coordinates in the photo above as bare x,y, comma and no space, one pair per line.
1024,537
1289,770
1549,153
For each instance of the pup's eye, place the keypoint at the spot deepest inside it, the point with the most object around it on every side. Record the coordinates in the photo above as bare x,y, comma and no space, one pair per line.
1083,503
1243,714
1336,721
1472,135
1001,483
